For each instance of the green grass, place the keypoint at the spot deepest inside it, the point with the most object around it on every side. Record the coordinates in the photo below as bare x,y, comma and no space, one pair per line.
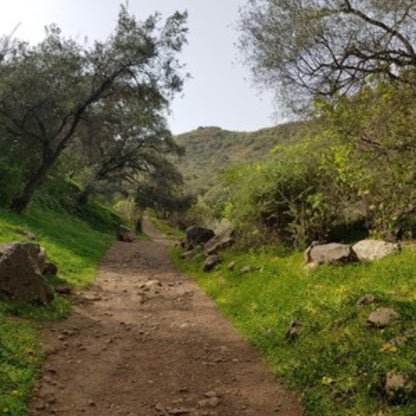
167,231
337,364
76,246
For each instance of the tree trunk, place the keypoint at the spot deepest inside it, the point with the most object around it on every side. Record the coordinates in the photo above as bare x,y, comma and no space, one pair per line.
85,194
20,203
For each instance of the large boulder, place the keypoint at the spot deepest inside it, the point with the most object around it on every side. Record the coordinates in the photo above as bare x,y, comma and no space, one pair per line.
21,267
224,238
196,236
126,234
332,253
368,250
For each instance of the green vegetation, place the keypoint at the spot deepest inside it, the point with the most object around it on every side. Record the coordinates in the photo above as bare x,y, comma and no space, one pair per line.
169,232
76,245
308,49
97,109
351,172
337,363
210,150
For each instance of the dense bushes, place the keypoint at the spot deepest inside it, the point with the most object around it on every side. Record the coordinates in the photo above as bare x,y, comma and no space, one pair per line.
289,198
357,167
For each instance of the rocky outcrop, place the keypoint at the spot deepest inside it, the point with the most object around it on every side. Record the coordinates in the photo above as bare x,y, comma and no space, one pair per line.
126,234
368,250
21,267
332,253
224,238
197,236
210,262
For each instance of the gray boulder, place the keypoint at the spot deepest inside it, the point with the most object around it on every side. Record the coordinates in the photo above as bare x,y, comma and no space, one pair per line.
246,269
211,262
398,386
332,253
383,317
187,255
21,267
224,238
126,234
231,266
196,236
368,250
366,300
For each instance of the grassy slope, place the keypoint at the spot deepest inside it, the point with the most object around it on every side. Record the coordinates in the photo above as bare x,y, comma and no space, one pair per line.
338,363
208,150
76,247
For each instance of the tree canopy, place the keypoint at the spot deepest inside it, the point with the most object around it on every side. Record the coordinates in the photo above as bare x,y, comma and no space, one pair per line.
326,47
50,93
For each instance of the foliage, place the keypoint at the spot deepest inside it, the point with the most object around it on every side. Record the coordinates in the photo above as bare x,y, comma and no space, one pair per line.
354,169
378,128
338,363
211,150
162,192
290,198
313,47
50,91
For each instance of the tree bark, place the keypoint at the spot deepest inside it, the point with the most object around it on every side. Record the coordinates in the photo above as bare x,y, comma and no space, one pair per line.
85,194
20,203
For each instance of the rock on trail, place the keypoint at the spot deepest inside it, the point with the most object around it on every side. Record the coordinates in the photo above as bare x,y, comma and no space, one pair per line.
146,341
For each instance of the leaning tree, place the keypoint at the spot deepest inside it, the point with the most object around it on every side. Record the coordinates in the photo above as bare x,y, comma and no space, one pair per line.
48,91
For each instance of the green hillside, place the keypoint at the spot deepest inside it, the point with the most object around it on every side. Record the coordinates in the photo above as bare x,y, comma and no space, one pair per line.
208,150
76,245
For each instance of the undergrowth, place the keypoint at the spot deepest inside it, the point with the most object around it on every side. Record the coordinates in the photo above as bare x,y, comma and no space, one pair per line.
337,363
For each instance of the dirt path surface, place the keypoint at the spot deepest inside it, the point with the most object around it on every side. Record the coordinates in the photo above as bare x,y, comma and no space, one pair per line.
146,341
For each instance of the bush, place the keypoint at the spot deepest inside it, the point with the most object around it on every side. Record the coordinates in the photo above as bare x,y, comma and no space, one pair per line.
290,198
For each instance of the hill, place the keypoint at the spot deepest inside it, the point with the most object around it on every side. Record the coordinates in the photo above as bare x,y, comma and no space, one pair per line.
209,150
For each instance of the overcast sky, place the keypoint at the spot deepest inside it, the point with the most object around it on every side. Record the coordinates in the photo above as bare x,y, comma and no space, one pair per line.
220,92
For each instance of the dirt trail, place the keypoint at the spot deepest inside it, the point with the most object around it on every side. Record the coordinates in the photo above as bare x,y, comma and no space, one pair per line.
146,341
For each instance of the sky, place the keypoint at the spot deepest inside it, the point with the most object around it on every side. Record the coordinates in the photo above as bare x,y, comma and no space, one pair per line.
220,91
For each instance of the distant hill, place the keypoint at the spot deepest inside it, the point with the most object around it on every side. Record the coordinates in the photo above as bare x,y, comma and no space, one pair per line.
209,150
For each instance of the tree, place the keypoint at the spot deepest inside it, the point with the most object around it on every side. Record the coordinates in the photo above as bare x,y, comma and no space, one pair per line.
163,193
48,91
122,142
328,47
